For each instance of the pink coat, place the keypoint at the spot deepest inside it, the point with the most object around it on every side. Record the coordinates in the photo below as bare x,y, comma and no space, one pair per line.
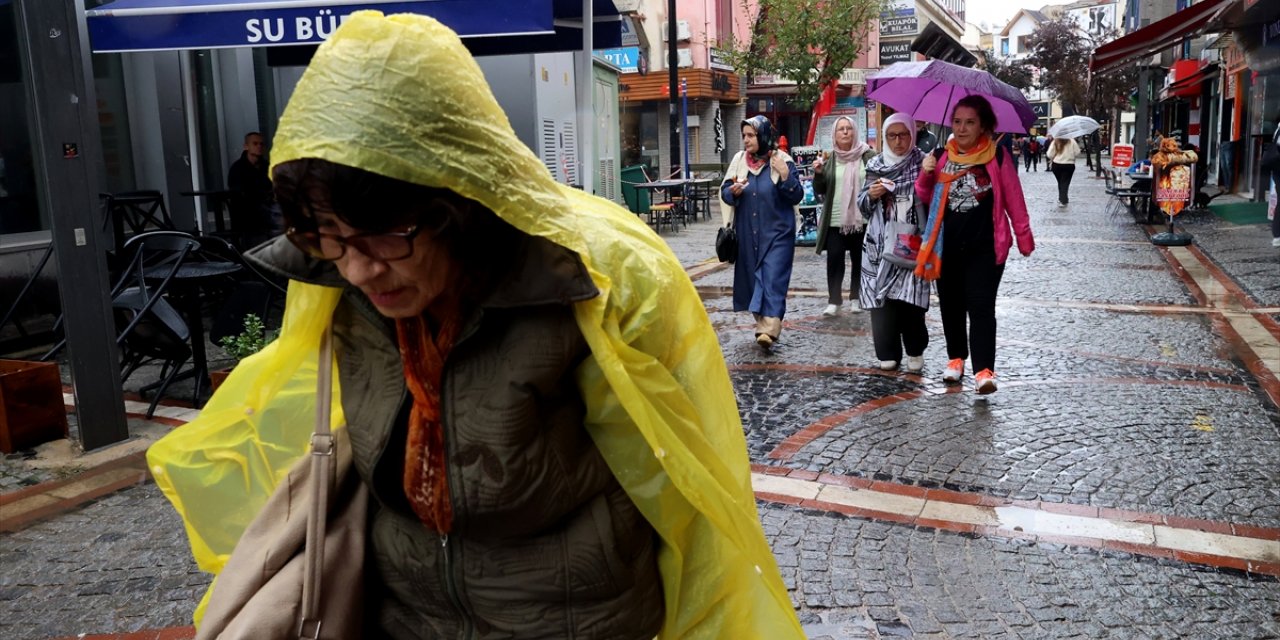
1010,207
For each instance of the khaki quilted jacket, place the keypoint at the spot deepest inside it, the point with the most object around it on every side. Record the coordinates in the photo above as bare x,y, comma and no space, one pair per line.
545,542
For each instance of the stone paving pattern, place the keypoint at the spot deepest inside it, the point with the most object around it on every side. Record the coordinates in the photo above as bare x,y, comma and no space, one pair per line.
1141,407
852,578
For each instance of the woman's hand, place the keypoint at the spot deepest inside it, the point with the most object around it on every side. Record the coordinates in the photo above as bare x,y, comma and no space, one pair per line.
877,190
930,163
737,187
819,162
779,166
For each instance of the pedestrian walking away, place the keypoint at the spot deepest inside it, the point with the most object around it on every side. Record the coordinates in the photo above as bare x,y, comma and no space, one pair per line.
519,367
1062,158
895,296
974,195
841,226
1031,153
760,193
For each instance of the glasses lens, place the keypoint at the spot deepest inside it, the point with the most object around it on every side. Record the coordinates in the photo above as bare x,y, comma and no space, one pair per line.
389,246
315,245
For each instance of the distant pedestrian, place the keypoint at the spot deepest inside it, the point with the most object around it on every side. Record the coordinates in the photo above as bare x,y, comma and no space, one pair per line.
974,195
895,296
254,214
1031,153
925,140
1062,157
761,190
841,226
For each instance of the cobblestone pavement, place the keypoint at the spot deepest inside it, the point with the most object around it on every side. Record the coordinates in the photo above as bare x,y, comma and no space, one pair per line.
1124,386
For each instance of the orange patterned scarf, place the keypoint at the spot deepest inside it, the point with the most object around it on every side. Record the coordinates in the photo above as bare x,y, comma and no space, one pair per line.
425,469
929,260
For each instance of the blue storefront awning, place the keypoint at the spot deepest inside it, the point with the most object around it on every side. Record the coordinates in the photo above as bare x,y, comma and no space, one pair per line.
488,27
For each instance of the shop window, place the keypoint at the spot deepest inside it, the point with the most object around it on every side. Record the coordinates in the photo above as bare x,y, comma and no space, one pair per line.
20,209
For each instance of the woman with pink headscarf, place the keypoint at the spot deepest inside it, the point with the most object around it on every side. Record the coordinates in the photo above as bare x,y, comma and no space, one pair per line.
841,226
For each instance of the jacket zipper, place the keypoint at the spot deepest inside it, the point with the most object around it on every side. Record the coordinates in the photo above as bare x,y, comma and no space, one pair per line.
446,552
451,587
450,580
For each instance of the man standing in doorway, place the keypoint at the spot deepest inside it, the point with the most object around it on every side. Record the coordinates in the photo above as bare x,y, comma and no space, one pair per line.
925,140
254,214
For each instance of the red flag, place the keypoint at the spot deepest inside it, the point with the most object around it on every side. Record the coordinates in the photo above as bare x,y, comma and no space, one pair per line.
824,106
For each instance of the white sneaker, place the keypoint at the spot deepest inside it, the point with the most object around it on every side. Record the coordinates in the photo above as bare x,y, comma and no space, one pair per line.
831,311
955,370
888,365
915,364
1275,242
855,307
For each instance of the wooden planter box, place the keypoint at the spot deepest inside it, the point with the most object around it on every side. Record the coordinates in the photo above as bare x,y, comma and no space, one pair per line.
216,378
32,410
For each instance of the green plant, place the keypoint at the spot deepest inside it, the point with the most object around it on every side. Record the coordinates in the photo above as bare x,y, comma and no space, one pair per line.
250,341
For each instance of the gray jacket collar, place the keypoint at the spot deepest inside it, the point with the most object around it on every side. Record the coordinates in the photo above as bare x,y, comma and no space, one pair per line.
541,272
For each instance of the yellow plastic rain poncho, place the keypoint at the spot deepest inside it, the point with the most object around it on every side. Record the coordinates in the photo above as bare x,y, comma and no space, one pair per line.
401,96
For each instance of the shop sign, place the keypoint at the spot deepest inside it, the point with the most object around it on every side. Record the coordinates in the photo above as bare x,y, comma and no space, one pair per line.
899,22
1041,109
891,52
629,37
718,60
720,83
1121,156
625,58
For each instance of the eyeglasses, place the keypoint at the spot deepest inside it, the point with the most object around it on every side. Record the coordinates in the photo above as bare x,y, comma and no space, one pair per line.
897,136
393,245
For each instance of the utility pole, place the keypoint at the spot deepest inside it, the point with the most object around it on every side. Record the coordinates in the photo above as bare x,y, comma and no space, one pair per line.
673,86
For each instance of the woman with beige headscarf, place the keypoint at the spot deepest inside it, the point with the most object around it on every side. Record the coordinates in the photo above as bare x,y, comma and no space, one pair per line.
841,226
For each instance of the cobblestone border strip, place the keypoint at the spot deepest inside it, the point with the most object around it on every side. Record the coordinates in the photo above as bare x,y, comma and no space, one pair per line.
706,268
21,508
1246,548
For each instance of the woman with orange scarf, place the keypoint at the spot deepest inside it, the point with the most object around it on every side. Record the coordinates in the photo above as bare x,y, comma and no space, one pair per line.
975,194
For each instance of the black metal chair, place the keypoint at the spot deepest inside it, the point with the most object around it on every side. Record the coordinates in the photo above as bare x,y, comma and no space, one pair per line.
149,328
129,213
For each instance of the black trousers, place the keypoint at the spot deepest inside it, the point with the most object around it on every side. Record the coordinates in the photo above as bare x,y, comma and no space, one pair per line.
896,325
1063,173
837,245
1033,161
1275,222
967,290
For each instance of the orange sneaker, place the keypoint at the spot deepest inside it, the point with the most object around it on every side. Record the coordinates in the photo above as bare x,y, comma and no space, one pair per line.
986,382
955,370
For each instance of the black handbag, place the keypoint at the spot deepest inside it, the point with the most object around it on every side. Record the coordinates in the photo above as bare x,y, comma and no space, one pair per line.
727,244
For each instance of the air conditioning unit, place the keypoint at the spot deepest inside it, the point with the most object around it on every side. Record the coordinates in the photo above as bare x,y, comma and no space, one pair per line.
682,31
684,59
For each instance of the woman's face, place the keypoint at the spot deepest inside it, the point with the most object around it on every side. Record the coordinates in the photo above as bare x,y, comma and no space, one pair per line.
966,127
899,139
844,134
401,288
749,142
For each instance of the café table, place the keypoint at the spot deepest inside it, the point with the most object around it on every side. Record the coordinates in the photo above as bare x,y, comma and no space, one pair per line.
187,288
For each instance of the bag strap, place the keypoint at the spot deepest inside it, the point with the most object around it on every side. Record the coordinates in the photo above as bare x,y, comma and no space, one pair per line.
322,463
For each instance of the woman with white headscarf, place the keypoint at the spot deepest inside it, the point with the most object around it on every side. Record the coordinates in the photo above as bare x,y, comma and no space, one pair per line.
896,298
841,225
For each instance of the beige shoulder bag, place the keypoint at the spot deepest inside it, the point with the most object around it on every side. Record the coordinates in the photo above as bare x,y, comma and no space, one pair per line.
298,570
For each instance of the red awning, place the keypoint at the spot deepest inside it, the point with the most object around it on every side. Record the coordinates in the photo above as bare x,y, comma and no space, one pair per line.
1187,84
1158,35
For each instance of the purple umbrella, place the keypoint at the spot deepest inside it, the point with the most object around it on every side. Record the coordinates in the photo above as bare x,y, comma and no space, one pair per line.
929,91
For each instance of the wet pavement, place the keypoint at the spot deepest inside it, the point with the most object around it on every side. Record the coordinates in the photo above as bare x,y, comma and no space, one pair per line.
1122,483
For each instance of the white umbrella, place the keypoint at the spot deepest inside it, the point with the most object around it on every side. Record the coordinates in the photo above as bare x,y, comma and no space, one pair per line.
1073,127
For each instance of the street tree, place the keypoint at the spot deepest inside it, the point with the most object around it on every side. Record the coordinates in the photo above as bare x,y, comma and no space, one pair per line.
1012,72
809,42
1062,50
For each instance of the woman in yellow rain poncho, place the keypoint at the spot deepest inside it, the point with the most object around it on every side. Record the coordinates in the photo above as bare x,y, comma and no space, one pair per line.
534,395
